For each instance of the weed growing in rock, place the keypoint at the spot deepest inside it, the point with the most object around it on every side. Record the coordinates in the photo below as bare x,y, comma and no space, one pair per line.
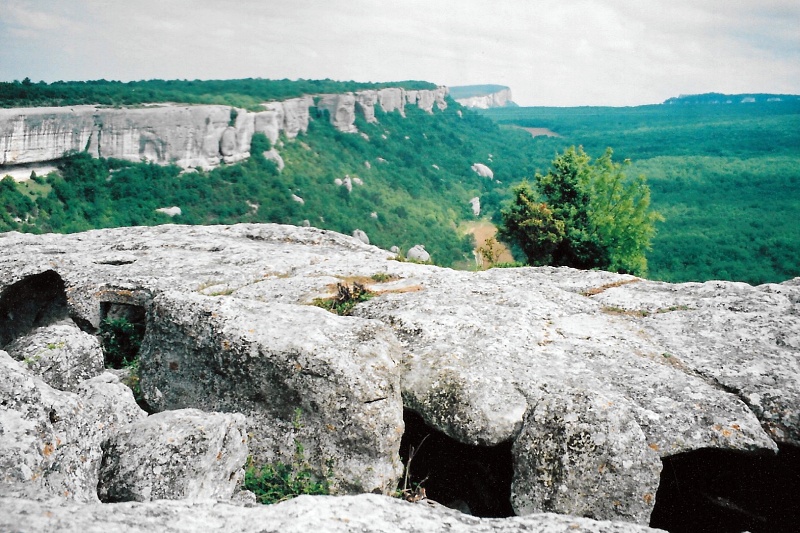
121,340
346,298
278,482
383,277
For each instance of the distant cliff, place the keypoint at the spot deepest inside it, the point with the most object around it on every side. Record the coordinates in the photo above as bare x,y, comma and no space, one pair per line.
188,136
482,96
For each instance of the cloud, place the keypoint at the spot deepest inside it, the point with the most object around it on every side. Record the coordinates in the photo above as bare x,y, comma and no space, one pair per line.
612,52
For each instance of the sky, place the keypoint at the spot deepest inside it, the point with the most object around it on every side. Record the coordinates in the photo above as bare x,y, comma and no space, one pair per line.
550,52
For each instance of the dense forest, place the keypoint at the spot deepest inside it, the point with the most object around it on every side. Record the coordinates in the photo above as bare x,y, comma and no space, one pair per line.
246,93
725,177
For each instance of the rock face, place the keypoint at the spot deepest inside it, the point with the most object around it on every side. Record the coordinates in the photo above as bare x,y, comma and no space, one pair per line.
579,384
176,455
51,440
342,109
482,96
189,136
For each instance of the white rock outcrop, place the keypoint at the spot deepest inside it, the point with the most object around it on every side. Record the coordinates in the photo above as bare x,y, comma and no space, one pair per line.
342,110
173,211
482,170
476,206
501,98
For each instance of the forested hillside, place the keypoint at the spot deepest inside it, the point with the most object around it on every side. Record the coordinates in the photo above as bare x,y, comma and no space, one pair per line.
246,93
725,177
410,183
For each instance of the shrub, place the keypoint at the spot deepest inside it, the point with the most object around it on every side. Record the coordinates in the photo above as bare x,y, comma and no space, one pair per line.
346,298
278,482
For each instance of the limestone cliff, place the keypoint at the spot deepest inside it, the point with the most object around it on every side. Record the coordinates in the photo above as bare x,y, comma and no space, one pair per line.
482,96
189,136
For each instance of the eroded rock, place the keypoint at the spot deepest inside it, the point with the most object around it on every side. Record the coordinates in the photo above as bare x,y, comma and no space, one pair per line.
185,454
61,354
300,374
50,439
588,370
346,514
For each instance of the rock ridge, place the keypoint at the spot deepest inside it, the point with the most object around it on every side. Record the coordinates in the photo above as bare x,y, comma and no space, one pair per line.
186,135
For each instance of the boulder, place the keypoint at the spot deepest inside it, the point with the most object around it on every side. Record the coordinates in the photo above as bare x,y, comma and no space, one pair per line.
418,253
300,374
61,354
482,170
361,236
185,454
171,212
476,206
51,440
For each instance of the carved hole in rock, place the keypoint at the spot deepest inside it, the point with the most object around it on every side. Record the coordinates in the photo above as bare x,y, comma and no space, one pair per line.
122,329
32,302
472,479
720,491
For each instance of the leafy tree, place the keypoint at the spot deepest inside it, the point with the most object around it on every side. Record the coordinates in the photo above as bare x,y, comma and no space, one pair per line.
582,214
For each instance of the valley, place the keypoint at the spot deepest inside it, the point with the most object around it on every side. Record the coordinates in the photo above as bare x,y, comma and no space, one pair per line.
401,167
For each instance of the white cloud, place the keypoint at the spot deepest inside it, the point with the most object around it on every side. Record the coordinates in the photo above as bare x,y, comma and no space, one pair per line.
604,52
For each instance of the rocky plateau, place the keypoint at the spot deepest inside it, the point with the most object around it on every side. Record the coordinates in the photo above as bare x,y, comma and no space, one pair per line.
537,399
188,136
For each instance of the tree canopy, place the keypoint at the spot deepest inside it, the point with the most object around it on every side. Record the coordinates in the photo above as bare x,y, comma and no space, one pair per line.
583,214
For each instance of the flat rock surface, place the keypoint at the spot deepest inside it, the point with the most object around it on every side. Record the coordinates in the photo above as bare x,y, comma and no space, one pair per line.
367,512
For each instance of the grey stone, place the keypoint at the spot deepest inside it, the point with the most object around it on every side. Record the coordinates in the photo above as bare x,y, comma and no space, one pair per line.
300,374
51,440
345,514
185,454
361,236
61,354
418,253
589,369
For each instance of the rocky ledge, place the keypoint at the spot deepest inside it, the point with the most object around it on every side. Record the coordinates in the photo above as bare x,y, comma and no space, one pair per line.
521,391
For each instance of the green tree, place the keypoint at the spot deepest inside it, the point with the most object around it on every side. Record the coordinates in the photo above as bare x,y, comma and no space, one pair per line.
582,214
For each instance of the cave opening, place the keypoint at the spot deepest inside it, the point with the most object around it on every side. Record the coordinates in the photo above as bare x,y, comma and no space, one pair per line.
35,301
723,491
473,479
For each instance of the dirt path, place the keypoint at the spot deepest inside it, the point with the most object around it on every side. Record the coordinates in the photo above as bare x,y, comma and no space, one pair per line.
484,230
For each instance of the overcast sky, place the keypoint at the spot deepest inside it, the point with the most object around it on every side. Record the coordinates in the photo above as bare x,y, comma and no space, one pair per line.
550,52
